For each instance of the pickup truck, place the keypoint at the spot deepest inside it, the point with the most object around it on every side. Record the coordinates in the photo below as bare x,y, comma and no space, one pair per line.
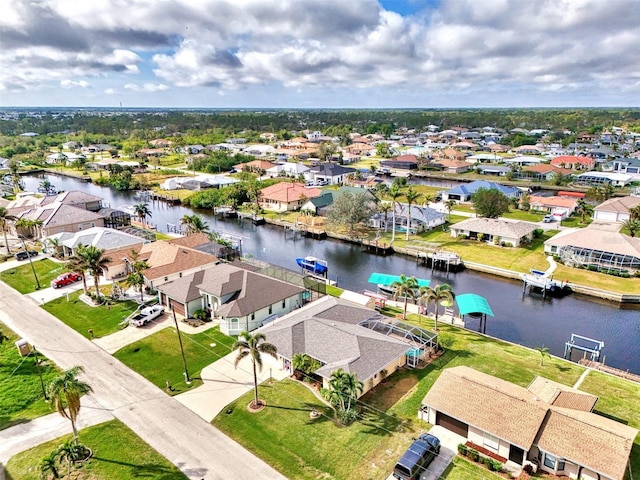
146,315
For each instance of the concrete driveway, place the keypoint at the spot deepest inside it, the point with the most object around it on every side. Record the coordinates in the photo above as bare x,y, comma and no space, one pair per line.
223,383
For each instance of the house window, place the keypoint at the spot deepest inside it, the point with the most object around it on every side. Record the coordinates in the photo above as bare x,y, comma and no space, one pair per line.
253,316
270,309
166,279
549,461
284,303
560,465
490,441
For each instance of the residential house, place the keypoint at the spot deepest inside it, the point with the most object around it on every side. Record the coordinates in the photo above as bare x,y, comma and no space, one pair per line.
494,230
287,169
254,166
167,260
403,162
500,170
600,178
339,334
286,196
523,160
452,166
547,424
423,218
107,239
561,206
241,300
369,182
574,162
529,150
331,173
544,171
615,209
464,192
600,246
198,182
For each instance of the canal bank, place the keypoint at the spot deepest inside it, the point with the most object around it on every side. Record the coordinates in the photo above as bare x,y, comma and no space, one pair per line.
619,298
527,319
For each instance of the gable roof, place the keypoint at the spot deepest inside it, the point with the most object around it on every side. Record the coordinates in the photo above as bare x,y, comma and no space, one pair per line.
516,415
618,204
59,214
329,331
331,169
496,226
100,237
554,201
288,192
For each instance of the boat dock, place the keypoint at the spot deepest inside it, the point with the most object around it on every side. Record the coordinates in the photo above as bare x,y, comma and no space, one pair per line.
255,219
304,229
544,280
610,370
374,246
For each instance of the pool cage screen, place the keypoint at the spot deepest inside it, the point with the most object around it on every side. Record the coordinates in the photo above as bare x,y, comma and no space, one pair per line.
597,259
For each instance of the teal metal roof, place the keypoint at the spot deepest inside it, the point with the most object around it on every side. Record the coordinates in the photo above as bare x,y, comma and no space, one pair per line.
472,303
386,280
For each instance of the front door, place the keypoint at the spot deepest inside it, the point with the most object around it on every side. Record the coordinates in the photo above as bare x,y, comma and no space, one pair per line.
516,454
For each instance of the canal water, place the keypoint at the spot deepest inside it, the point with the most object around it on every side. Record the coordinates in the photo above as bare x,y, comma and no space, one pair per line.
526,319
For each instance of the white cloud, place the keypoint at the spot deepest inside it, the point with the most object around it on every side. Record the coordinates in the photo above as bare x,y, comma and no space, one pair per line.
228,47
73,83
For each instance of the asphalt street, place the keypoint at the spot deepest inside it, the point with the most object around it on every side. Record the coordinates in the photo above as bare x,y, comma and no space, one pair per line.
193,445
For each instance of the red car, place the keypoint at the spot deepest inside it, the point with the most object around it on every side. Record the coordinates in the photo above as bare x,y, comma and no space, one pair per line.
65,279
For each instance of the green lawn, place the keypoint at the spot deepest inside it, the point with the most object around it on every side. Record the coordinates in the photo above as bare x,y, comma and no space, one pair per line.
319,448
21,397
158,359
21,278
104,320
118,454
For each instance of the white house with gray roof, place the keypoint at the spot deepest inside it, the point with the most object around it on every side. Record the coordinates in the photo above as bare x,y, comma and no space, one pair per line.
330,330
240,299
104,238
495,230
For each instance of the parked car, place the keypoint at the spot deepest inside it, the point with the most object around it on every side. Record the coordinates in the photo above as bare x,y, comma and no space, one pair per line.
146,315
548,218
65,279
24,254
417,457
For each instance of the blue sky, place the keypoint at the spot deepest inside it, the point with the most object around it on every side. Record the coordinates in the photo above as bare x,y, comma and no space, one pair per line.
320,53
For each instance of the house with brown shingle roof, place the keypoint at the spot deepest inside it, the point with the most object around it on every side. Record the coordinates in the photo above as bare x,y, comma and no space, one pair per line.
242,300
547,424
167,261
286,196
554,204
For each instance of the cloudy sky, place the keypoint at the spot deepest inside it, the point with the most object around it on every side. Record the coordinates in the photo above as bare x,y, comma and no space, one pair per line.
319,53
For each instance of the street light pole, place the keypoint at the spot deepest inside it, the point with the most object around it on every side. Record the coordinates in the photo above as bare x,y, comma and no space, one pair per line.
33,269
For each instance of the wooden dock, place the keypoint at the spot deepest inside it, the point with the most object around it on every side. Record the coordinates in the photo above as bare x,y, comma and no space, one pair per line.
610,370
255,219
375,246
163,197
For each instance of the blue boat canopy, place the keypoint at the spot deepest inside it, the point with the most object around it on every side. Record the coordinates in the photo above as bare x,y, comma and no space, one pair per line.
472,303
387,280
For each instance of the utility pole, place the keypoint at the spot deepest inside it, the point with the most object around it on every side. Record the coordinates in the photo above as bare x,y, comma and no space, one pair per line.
184,360
44,390
33,269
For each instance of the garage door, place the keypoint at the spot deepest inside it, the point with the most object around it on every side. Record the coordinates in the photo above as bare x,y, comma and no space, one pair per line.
456,426
177,306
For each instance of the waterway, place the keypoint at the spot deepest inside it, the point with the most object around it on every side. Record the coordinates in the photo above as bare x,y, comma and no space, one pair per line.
526,319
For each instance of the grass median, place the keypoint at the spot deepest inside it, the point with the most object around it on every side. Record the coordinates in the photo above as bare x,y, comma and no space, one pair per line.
118,454
103,320
21,396
21,278
158,358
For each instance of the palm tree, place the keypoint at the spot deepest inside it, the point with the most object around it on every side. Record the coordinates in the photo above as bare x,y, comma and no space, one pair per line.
394,193
384,209
412,197
584,209
634,213
633,226
28,226
405,287
544,352
14,168
93,259
65,391
49,465
4,217
194,224
450,204
142,212
3,337
136,278
438,295
342,393
253,346
76,263
427,199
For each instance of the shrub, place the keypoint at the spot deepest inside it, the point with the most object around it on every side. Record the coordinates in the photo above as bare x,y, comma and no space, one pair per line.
496,241
537,233
201,314
502,244
463,449
462,236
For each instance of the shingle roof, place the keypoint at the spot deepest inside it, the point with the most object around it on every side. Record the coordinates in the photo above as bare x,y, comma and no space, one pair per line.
555,393
495,226
288,192
488,403
328,331
619,205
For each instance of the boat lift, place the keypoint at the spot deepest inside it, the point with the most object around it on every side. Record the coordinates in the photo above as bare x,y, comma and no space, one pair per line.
584,344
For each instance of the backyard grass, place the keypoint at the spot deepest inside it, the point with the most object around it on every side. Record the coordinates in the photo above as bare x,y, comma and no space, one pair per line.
369,448
21,397
103,320
334,291
158,359
21,278
118,454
